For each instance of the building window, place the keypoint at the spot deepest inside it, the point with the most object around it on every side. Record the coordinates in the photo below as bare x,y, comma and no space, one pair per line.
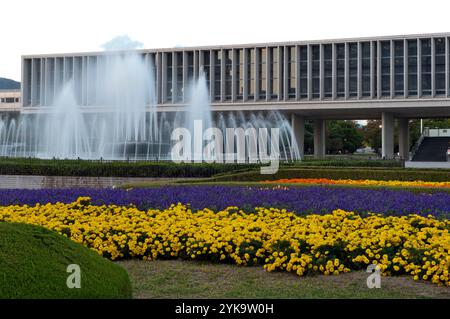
398,68
439,64
239,74
375,68
340,70
412,67
190,67
169,75
207,70
274,72
291,73
426,66
179,75
228,73
303,72
365,69
385,68
217,74
262,73
251,74
315,71
353,69
328,70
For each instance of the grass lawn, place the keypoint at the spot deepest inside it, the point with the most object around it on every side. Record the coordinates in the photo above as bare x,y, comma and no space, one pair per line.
191,279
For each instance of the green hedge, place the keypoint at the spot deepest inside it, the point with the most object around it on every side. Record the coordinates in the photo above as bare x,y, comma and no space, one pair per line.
34,261
119,169
341,173
23,166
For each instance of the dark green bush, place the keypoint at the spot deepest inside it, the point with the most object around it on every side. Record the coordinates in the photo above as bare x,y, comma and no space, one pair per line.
34,261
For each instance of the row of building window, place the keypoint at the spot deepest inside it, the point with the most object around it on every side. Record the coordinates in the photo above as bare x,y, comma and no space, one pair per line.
357,75
406,68
9,100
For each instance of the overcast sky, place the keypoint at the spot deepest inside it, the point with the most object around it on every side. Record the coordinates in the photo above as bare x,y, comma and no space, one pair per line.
51,26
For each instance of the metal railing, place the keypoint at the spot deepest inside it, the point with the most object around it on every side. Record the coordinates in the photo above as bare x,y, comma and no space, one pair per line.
425,133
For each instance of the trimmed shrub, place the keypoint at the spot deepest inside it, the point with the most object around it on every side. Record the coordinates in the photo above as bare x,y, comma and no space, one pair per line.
34,261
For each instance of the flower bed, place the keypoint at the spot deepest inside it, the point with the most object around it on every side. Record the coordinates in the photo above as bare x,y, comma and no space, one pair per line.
360,182
276,239
304,200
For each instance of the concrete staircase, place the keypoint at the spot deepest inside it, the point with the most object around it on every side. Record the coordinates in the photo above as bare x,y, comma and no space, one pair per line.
432,149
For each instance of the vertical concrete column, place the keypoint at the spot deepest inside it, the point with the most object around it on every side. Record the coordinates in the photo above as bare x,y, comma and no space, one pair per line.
433,68
297,72
33,82
257,71
447,67
164,78
359,70
286,67
319,138
174,93
158,61
43,100
378,69
403,138
198,56
246,64
222,75
333,71
419,69
405,69
387,135
234,78
309,70
321,72
392,85
347,71
298,134
185,77
212,74
269,68
372,70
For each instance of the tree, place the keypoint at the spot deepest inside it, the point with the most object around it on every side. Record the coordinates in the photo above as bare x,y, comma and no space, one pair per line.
372,134
343,136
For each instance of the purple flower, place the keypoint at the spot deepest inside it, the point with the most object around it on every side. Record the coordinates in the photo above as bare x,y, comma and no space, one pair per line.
303,200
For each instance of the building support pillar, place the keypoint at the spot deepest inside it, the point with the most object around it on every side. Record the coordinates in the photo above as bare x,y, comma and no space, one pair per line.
387,135
319,138
298,135
403,138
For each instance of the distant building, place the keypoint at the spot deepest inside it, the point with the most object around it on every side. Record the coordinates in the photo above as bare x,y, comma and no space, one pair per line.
10,100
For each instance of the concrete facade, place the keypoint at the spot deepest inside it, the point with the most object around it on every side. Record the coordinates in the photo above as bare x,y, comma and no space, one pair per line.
10,100
389,78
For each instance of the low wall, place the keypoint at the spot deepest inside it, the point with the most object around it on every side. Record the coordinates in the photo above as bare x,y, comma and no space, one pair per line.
36,182
410,164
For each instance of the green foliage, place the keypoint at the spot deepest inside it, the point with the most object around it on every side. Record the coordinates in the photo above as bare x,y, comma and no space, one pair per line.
342,173
343,137
34,260
120,169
